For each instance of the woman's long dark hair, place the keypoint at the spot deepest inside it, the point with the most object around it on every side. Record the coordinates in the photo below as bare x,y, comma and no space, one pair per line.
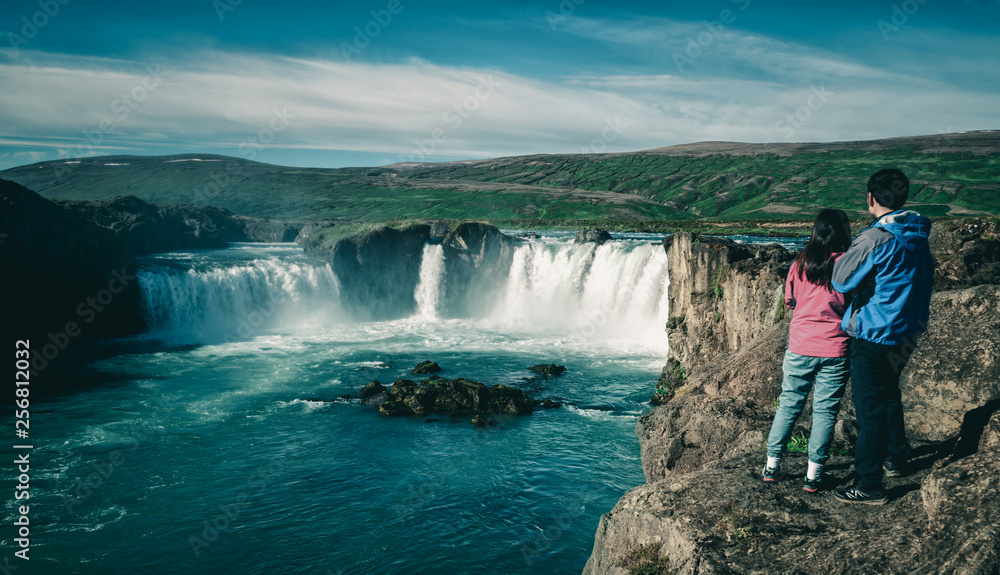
831,233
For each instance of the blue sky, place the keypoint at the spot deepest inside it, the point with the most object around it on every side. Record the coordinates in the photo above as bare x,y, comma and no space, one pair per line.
334,84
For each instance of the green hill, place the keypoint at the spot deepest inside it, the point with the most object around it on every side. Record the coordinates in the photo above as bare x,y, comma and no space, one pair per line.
952,174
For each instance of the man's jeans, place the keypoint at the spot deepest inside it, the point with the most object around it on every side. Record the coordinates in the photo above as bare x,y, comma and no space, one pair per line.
826,376
875,372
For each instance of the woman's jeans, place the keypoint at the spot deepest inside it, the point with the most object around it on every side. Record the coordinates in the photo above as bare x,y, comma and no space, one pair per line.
826,377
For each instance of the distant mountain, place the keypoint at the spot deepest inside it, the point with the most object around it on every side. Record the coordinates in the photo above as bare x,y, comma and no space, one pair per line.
952,174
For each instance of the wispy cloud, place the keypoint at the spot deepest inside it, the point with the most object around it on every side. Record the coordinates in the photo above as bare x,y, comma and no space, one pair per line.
217,100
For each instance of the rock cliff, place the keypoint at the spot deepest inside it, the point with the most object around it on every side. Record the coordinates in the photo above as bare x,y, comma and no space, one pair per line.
149,228
477,260
66,280
723,295
704,508
152,228
377,268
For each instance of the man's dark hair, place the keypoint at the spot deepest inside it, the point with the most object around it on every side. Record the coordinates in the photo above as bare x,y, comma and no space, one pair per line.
890,188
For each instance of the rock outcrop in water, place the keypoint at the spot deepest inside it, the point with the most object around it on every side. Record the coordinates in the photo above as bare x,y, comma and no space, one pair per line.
378,268
704,507
548,369
446,397
592,235
477,261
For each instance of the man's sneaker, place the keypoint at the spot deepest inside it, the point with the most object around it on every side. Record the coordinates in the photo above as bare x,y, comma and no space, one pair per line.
856,495
894,466
770,474
812,485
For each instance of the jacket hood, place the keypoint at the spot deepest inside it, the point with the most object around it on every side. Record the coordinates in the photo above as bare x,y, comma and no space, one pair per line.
910,228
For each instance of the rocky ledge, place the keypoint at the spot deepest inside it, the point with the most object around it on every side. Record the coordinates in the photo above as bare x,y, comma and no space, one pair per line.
704,508
152,228
723,519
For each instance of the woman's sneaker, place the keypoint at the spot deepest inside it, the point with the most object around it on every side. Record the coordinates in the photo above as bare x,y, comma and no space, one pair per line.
812,485
770,474
856,495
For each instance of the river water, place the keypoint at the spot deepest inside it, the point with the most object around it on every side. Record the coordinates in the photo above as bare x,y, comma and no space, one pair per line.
220,441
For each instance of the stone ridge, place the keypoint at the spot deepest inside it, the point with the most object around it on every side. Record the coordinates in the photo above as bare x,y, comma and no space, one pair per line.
704,506
723,295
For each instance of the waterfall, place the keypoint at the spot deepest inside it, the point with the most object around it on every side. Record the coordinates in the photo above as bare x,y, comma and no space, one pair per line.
238,299
431,286
552,286
619,288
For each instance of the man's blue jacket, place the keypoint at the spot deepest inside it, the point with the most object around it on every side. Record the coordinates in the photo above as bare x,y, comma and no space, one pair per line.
890,269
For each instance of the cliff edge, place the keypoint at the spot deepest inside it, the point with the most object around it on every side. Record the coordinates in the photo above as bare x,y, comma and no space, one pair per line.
704,508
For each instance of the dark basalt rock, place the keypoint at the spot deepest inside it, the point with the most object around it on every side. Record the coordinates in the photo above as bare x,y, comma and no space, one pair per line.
592,235
477,262
372,389
548,369
425,367
149,228
447,396
378,269
66,280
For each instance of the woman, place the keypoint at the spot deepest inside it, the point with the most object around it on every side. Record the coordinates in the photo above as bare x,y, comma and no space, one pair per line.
817,354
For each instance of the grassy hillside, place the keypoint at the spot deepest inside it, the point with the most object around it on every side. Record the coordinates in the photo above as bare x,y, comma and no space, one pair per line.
954,174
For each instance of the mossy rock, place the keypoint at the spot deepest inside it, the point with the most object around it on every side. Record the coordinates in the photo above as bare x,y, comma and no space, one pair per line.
372,389
425,367
548,369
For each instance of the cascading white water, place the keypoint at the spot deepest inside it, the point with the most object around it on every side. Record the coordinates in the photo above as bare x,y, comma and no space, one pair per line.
430,289
237,299
619,288
616,290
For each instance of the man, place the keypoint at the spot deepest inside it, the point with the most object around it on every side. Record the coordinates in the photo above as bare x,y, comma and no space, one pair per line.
890,269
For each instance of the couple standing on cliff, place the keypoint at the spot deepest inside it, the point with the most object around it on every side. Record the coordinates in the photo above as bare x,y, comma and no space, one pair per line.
856,314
